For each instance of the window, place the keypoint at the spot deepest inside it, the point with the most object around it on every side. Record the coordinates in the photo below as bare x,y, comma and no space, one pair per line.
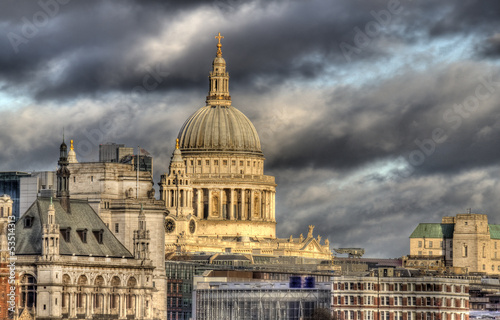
224,162
98,234
241,163
492,268
495,245
82,233
484,267
66,234
192,162
430,244
420,253
420,244
199,162
441,244
28,222
464,250
117,227
233,162
430,253
91,178
248,163
207,162
216,162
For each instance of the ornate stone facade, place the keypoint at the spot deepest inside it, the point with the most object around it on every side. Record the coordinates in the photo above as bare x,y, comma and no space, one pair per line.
462,244
71,265
216,192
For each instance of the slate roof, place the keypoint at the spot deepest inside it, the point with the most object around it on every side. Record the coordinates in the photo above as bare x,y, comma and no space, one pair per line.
433,230
82,216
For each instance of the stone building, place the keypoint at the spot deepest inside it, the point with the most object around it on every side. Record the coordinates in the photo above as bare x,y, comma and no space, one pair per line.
466,243
216,192
119,193
70,265
7,279
392,294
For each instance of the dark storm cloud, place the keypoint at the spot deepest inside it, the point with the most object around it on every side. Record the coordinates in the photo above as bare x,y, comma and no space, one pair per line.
94,45
401,115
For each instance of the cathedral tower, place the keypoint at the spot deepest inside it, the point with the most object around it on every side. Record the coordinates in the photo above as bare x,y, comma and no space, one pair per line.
216,182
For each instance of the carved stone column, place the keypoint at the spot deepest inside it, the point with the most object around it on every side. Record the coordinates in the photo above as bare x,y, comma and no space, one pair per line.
231,205
209,195
252,204
243,204
221,203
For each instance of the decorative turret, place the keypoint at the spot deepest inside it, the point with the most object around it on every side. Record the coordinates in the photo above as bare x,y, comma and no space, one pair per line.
175,189
72,154
63,175
141,238
218,92
50,235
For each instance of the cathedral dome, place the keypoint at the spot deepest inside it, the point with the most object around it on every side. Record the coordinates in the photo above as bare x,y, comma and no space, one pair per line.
219,128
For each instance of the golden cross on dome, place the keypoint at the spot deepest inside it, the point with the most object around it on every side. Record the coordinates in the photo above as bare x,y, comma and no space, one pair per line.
219,45
176,143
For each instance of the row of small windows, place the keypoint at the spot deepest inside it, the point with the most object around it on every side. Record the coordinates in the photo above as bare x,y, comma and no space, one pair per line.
492,267
430,244
398,301
224,163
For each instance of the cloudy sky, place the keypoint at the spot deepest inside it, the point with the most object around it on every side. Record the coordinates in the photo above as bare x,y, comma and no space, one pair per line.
373,115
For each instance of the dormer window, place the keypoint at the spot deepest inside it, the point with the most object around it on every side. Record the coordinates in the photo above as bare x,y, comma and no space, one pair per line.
98,234
28,222
82,233
66,234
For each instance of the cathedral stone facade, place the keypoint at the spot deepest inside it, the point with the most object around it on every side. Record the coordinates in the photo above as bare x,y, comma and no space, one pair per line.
216,192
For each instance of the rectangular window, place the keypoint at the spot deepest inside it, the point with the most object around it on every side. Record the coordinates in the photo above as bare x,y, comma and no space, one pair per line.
233,162
495,245
224,162
420,244
199,162
441,244
207,162
430,244
117,227
241,163
420,253
216,162
430,253
91,178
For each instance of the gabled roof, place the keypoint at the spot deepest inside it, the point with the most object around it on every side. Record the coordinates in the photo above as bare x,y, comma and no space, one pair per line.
82,216
433,230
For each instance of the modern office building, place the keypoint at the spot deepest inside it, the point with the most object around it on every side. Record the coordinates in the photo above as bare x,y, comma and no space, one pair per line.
246,295
113,152
10,184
